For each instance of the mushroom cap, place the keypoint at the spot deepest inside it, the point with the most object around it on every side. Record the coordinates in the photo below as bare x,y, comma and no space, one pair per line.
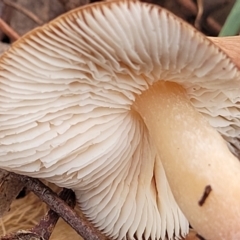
66,95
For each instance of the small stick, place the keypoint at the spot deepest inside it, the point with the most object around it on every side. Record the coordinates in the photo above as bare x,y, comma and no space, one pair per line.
24,11
21,235
46,225
8,31
198,19
81,226
44,229
191,7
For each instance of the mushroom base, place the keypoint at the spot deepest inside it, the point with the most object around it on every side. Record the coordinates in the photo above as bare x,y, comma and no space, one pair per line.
203,175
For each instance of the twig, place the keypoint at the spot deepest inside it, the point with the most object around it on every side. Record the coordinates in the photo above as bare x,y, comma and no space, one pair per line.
24,11
48,222
8,31
81,226
191,7
5,15
198,19
21,235
205,8
44,229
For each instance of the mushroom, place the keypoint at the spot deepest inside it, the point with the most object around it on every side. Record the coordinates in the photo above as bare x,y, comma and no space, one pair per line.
134,110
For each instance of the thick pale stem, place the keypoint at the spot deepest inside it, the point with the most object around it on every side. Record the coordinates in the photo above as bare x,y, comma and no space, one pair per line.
203,175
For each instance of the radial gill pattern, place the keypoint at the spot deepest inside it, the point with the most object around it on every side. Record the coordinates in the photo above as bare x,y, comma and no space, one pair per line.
66,91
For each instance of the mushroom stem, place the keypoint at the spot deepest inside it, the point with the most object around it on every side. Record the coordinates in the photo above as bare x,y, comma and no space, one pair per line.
203,175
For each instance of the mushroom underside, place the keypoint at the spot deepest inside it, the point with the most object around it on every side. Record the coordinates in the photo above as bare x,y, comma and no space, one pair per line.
70,96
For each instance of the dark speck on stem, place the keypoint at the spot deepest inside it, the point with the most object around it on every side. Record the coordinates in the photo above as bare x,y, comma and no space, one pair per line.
205,195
